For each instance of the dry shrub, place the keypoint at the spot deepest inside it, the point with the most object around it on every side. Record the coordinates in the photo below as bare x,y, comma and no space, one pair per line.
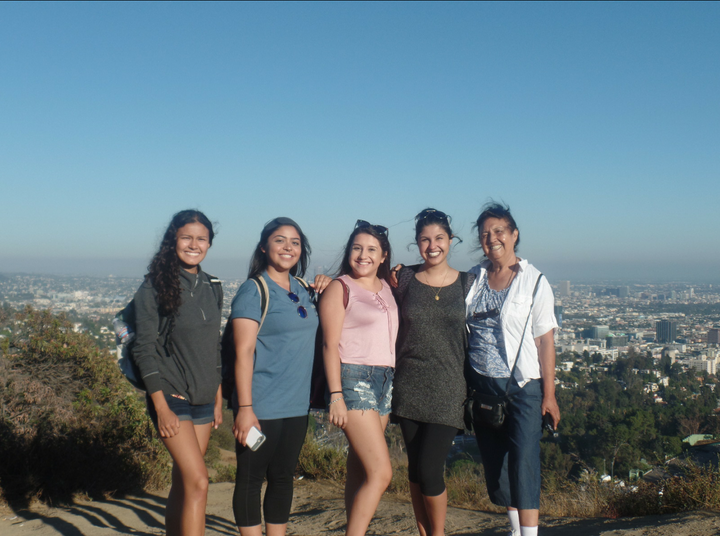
70,422
224,473
569,498
321,461
465,484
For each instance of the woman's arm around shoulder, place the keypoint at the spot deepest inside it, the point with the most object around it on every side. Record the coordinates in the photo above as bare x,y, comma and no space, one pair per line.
332,317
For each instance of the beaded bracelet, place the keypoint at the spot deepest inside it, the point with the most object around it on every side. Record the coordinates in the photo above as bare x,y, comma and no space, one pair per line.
336,400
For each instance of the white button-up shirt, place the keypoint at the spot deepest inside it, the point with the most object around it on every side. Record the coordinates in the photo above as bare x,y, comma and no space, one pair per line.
515,313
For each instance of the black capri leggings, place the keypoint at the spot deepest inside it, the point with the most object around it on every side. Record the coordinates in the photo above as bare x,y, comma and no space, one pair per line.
275,460
427,446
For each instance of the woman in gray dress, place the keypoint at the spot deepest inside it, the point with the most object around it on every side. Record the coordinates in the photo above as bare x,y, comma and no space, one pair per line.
429,387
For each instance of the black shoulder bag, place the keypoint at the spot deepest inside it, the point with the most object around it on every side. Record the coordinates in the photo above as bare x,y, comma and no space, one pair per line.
490,410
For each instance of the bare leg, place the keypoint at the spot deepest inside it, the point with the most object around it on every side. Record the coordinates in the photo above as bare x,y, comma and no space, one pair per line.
365,431
421,517
275,529
354,479
436,511
529,518
185,512
255,530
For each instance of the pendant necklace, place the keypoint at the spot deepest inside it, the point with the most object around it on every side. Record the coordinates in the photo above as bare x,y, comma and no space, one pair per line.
442,285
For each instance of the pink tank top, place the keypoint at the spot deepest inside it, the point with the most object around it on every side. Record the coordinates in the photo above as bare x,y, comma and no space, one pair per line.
370,328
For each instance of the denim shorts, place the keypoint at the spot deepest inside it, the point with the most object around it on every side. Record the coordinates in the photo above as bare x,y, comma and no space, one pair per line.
185,411
367,387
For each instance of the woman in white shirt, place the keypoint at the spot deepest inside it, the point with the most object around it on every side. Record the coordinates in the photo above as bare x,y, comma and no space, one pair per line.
501,302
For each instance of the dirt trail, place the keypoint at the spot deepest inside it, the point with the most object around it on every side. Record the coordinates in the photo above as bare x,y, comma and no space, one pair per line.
318,510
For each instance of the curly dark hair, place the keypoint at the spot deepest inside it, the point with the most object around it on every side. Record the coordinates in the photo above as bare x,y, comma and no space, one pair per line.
259,262
164,269
381,236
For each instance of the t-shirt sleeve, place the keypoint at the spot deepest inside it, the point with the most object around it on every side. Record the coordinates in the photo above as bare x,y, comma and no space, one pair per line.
246,303
544,309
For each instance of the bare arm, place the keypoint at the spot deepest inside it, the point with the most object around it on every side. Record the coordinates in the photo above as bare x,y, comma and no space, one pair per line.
332,316
546,353
321,283
245,331
217,412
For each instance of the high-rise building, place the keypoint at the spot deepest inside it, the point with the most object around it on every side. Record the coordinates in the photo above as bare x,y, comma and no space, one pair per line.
713,336
613,341
558,314
596,332
563,288
665,330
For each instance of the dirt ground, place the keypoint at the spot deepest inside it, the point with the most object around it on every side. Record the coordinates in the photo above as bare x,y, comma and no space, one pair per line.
318,510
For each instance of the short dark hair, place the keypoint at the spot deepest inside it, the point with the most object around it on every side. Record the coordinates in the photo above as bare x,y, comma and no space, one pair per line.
259,262
384,268
431,216
493,209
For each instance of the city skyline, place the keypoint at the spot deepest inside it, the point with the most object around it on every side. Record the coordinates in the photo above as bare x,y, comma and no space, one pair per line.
595,122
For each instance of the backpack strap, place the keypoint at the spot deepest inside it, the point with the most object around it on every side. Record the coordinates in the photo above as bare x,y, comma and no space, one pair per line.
522,337
346,292
216,286
264,297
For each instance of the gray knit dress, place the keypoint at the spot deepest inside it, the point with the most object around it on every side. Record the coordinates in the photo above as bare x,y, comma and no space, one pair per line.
429,384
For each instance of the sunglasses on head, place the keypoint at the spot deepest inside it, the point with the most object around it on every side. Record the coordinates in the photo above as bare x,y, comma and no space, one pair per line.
296,299
361,224
432,213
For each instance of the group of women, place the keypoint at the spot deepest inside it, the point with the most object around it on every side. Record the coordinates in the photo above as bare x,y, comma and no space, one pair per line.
403,342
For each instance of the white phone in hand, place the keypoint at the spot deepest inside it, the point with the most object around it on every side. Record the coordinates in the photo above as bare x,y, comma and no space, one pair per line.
255,438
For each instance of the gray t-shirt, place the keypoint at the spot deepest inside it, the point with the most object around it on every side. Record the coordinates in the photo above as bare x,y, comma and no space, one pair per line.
429,384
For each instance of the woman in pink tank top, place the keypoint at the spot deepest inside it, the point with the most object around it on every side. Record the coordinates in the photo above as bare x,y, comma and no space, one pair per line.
359,318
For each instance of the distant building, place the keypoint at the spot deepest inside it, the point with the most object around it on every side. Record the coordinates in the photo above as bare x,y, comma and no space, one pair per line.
665,330
596,332
558,314
613,341
702,363
713,336
563,288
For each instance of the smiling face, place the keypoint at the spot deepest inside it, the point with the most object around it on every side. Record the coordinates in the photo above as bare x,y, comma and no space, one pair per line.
434,244
283,248
191,245
497,240
366,255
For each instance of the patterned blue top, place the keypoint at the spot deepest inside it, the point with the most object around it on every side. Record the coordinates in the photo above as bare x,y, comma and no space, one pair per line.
486,341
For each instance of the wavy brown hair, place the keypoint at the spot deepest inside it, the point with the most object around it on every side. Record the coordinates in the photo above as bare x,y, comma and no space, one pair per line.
164,269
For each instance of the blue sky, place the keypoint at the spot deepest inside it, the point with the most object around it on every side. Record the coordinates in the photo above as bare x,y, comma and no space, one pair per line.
598,123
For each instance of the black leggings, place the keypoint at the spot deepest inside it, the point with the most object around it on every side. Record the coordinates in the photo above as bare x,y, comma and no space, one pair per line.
275,460
427,446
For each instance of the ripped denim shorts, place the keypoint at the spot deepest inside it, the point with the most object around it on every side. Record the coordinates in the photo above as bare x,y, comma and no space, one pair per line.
367,387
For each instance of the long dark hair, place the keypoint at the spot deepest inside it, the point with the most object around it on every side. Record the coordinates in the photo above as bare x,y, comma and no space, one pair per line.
164,269
259,262
382,237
